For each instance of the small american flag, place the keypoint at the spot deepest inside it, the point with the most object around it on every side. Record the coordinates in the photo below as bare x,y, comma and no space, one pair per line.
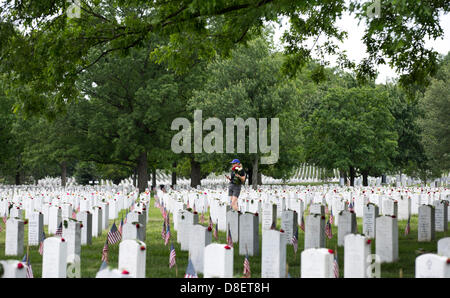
172,256
229,239
74,215
78,209
336,265
41,244
408,227
302,223
216,231
132,207
247,272
273,227
105,252
166,240
295,241
326,209
202,218
163,231
168,219
5,219
121,226
190,271
114,235
331,217
26,260
328,230
164,213
59,230
210,223
188,205
351,206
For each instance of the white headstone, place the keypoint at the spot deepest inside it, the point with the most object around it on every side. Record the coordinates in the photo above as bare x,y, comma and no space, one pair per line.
200,238
432,266
357,249
218,261
13,269
444,247
317,263
273,254
387,239
35,228
14,237
54,259
132,257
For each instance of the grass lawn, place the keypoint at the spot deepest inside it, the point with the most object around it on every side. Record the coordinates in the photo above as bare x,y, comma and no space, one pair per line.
157,263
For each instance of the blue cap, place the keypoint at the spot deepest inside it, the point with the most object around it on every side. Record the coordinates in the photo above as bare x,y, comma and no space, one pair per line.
235,161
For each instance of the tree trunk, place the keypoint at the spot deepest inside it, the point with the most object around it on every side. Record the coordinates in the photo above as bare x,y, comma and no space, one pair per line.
174,174
383,179
365,179
142,171
352,176
18,178
255,173
63,173
259,178
250,175
154,177
195,173
135,177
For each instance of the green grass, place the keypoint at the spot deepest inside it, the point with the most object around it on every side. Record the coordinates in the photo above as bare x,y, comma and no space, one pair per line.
157,259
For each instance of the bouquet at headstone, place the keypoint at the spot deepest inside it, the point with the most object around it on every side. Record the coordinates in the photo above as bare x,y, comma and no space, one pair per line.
236,170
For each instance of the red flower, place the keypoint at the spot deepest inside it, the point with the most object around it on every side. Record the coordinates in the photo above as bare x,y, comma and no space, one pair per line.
448,261
281,231
20,265
323,217
142,247
99,208
256,214
81,225
369,241
125,272
209,229
137,226
393,216
63,240
25,222
331,251
227,247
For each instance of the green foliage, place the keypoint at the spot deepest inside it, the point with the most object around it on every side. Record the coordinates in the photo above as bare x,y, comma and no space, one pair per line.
436,120
85,172
250,85
45,62
352,128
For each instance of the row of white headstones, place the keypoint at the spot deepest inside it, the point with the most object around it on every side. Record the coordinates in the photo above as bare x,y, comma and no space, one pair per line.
38,208
273,253
290,210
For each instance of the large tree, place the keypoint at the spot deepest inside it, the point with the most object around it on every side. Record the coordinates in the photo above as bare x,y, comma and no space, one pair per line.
129,105
352,130
50,50
249,85
436,120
